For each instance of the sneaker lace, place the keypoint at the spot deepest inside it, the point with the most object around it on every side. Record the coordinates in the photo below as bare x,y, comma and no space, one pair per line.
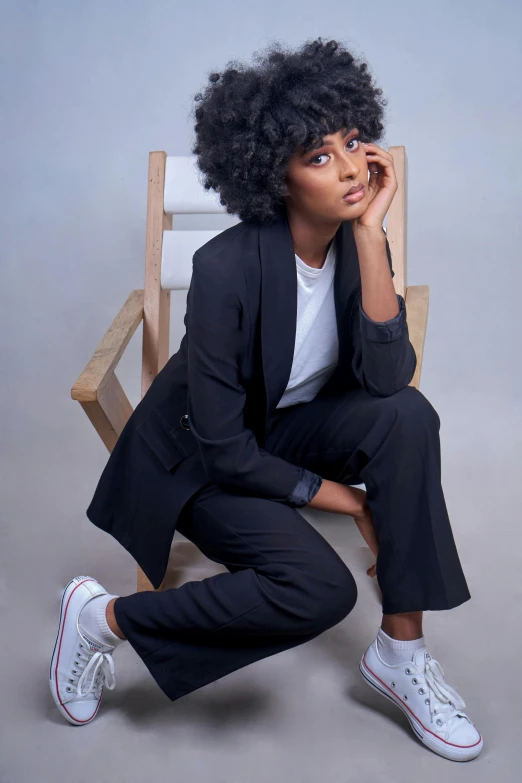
95,670
444,701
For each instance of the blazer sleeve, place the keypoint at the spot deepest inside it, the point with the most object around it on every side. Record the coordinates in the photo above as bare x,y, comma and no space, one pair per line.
217,335
384,359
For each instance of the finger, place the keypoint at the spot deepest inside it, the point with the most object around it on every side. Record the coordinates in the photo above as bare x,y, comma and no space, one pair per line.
375,162
375,149
373,157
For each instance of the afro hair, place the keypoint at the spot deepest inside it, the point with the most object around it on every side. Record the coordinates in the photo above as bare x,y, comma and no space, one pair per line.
250,120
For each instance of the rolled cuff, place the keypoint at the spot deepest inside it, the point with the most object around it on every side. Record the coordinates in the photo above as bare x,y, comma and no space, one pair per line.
307,486
384,331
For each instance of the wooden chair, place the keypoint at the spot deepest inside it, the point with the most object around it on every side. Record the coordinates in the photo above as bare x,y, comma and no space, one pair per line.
174,188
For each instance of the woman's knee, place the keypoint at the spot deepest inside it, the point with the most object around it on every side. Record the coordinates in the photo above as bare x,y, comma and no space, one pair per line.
331,599
344,598
411,406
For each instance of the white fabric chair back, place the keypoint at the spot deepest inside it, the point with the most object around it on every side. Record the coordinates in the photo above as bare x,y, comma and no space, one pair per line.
184,195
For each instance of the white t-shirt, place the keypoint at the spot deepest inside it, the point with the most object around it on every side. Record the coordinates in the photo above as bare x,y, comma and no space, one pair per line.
316,350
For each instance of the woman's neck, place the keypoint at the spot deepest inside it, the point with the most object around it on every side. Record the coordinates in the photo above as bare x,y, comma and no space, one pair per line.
311,239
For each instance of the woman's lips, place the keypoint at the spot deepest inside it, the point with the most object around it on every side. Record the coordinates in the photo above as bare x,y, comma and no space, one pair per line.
352,198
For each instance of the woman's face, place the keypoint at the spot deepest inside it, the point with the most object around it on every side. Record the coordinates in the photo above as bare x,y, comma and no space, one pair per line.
318,179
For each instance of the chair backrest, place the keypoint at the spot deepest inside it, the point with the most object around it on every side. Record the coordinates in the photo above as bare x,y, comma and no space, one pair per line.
184,195
175,188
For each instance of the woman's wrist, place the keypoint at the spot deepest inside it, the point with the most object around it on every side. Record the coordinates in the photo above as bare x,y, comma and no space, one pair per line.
339,498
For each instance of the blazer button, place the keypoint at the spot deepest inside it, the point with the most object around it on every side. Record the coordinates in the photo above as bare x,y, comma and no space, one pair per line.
184,422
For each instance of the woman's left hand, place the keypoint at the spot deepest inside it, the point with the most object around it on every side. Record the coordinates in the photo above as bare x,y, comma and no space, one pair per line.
363,520
382,187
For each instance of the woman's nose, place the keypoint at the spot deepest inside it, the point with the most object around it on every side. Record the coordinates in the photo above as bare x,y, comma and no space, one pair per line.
350,166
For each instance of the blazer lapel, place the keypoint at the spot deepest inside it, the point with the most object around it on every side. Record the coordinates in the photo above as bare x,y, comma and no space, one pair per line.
279,300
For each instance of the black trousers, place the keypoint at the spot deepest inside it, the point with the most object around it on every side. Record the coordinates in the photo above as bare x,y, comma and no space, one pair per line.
285,584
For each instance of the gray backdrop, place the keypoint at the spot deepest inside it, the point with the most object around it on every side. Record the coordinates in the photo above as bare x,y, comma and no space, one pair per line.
87,90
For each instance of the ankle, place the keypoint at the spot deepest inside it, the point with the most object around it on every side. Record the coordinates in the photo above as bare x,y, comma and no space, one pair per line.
111,619
405,626
396,651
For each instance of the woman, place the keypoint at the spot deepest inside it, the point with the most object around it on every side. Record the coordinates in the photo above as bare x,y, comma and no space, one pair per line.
297,362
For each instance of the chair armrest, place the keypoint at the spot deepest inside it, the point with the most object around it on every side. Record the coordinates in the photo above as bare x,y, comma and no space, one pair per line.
101,365
97,389
417,302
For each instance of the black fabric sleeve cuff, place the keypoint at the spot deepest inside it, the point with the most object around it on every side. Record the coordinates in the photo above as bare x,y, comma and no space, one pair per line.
307,486
384,331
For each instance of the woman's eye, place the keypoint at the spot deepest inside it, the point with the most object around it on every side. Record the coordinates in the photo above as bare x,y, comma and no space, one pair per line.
325,155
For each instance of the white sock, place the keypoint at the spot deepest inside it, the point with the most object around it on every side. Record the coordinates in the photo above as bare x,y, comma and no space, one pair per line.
394,651
93,620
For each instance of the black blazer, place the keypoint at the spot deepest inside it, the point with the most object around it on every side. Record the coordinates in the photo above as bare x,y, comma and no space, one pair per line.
205,414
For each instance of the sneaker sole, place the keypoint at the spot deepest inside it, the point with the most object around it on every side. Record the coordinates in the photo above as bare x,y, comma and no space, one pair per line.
54,660
427,737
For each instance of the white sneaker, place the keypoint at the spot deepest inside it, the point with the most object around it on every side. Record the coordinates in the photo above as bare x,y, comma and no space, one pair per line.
433,707
80,665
